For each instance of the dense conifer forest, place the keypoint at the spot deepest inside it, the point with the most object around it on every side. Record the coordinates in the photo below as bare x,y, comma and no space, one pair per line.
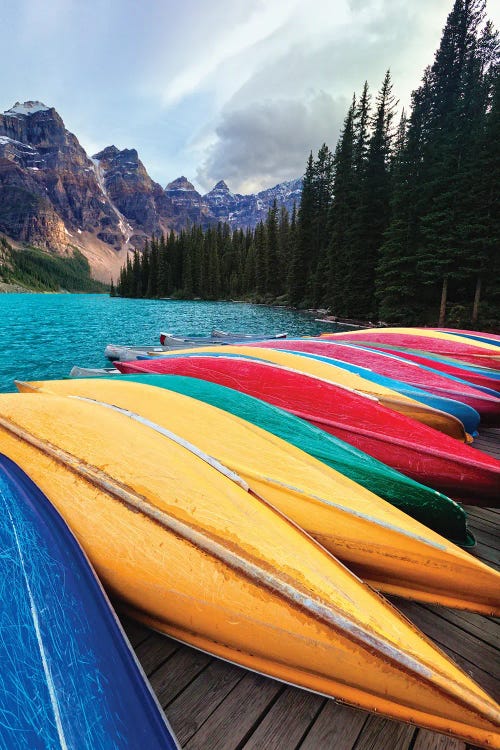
399,223
39,271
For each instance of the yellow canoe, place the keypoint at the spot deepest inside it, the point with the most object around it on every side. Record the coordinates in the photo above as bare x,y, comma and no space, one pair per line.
388,549
440,420
193,554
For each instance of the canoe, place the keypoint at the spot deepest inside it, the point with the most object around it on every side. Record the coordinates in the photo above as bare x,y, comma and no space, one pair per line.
172,340
491,339
486,404
425,339
442,421
92,372
378,542
424,454
117,351
433,509
480,377
69,676
468,416
193,554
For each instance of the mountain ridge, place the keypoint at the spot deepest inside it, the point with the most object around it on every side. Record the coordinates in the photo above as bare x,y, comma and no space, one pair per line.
56,197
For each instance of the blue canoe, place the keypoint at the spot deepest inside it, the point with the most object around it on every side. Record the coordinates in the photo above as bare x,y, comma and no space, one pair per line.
69,678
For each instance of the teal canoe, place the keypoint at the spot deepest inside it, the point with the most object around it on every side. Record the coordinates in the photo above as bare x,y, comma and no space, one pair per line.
432,508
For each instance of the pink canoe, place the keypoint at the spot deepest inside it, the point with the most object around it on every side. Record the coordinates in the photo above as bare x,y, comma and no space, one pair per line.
414,449
392,366
427,340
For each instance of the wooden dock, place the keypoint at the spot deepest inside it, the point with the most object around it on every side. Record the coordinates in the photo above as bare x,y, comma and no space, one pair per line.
213,705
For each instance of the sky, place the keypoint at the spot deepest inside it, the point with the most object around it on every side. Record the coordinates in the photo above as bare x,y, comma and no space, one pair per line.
240,90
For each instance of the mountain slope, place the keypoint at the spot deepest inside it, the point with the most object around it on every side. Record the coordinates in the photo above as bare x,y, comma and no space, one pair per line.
53,196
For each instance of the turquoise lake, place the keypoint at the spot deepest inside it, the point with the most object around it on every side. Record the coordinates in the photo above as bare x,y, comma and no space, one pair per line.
43,335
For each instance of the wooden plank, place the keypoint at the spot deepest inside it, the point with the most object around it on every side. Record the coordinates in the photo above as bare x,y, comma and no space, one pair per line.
384,734
483,537
294,710
238,716
154,651
478,626
202,696
337,727
482,515
487,555
431,741
172,676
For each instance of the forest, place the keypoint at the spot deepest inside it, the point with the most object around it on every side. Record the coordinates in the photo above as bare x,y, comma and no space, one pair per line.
399,223
39,271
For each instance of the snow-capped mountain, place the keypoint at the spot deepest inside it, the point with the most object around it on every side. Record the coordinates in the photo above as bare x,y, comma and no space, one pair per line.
54,196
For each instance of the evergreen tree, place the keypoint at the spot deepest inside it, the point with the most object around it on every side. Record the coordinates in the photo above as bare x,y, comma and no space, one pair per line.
271,263
299,266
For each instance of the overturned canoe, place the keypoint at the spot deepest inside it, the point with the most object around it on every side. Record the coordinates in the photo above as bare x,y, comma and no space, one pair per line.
381,544
395,401
480,377
486,404
69,677
420,452
433,509
426,339
468,416
193,554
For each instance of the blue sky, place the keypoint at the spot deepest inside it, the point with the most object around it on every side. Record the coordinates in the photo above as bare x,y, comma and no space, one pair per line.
239,90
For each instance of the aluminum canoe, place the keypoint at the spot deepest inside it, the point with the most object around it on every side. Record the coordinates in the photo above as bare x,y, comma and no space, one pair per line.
192,553
70,679
426,455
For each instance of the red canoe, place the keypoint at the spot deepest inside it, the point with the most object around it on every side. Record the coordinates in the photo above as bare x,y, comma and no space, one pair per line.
477,353
481,376
415,449
487,405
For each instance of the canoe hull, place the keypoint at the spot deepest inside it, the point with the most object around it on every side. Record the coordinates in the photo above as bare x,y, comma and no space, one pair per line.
486,405
69,677
475,352
408,446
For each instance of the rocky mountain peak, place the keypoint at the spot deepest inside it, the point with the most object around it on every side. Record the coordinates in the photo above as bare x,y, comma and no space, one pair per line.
220,187
181,183
27,108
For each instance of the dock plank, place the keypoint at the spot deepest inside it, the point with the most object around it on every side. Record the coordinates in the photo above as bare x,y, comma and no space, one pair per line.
296,709
336,726
233,721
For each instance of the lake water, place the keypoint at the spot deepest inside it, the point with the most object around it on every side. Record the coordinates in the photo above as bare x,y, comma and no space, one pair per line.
43,335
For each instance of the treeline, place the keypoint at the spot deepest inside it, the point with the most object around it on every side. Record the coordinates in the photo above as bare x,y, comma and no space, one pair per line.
399,223
215,263
43,272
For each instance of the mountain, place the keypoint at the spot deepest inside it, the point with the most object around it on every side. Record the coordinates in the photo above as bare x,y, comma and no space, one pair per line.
53,196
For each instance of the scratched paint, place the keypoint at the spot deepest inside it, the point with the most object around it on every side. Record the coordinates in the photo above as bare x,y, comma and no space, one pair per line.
68,678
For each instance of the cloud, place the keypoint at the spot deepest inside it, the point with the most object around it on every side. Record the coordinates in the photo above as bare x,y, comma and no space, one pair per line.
262,144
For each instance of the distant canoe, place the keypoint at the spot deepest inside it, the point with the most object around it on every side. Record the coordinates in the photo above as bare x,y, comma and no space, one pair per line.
193,554
425,339
487,405
415,449
69,677
92,372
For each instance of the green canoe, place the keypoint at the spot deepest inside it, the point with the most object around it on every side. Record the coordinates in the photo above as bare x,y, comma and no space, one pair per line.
435,510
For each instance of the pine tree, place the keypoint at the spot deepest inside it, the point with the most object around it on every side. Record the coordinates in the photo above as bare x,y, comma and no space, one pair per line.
272,265
340,218
299,266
